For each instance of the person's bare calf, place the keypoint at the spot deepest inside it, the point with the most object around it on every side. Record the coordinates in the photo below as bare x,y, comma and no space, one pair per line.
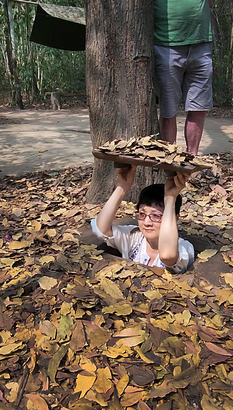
193,130
168,129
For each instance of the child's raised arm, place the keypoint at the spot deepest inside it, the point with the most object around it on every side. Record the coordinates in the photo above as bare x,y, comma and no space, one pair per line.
168,236
125,178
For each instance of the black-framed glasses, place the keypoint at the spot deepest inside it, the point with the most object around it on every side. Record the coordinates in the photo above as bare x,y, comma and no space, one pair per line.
153,217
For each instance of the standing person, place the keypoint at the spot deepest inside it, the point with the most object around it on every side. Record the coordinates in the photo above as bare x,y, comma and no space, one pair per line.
155,241
183,66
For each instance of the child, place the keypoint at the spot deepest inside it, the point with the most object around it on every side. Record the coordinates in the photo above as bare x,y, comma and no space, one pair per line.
155,241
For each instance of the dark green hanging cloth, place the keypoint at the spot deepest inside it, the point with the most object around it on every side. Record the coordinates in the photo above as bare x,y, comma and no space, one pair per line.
60,27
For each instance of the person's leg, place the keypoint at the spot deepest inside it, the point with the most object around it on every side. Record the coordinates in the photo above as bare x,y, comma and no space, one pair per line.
168,129
194,126
169,71
197,93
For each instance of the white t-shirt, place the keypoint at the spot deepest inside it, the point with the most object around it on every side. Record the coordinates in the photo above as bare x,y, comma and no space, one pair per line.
132,245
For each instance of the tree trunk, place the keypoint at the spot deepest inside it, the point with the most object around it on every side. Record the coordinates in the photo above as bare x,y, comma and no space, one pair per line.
230,65
119,75
11,54
30,56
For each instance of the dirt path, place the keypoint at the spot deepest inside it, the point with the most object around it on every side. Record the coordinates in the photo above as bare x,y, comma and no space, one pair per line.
35,140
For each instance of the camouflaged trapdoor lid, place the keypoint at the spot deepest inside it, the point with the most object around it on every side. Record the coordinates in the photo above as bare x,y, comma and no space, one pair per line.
60,27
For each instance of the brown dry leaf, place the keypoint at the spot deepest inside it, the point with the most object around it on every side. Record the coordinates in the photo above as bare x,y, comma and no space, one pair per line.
103,382
228,278
47,282
183,318
56,247
84,383
117,351
207,253
122,384
72,212
46,259
155,153
64,328
222,374
110,270
17,212
51,232
223,295
45,216
161,390
129,399
98,337
7,407
217,349
142,355
68,236
139,151
8,261
13,391
36,402
211,212
141,375
143,406
130,337
10,348
192,376
111,289
146,141
47,328
96,397
121,144
55,362
17,245
153,294
78,338
35,226
119,308
208,403
227,259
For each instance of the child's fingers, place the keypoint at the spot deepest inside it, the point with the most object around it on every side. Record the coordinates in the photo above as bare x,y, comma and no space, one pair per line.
133,167
180,180
126,172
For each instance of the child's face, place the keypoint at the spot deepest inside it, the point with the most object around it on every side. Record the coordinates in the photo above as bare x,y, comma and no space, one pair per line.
149,228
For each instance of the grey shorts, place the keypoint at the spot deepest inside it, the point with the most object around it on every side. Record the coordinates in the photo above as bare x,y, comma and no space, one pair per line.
184,73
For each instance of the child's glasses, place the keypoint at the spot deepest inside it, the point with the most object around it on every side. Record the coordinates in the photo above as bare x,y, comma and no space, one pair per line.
153,217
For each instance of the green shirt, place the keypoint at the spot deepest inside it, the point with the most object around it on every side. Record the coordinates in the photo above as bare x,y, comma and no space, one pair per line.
181,22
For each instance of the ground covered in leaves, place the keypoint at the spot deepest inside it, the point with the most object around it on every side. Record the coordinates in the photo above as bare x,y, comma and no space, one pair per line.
83,330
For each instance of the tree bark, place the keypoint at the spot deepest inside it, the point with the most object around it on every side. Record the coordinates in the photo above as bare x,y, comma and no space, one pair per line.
120,86
11,54
31,57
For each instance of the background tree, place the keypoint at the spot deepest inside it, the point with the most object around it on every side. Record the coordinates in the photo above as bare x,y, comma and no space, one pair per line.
222,27
119,76
12,55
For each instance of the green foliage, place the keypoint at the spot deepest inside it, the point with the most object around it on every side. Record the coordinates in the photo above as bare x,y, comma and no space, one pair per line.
62,69
222,87
40,68
222,23
4,83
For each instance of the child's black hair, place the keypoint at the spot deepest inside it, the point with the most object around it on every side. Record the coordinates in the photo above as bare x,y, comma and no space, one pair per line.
154,194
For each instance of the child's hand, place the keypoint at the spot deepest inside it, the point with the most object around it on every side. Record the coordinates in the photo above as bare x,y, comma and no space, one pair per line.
174,185
125,176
